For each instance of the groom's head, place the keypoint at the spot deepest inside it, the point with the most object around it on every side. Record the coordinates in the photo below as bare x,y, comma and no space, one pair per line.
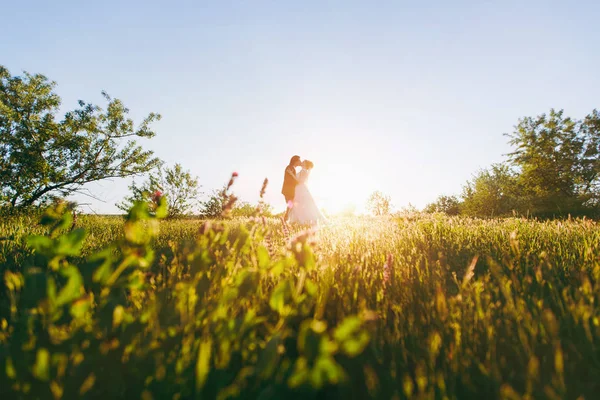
295,161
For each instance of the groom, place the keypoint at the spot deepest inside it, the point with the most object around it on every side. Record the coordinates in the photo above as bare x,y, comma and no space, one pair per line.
289,184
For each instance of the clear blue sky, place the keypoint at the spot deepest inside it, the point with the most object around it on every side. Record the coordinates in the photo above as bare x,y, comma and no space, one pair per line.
407,97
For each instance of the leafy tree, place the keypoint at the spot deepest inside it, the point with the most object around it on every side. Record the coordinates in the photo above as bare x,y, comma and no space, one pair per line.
379,204
492,192
221,202
179,186
558,159
42,157
213,207
449,205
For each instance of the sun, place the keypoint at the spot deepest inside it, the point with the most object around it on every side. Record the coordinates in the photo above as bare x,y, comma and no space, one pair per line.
340,190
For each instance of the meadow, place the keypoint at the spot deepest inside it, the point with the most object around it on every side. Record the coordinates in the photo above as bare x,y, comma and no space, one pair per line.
421,307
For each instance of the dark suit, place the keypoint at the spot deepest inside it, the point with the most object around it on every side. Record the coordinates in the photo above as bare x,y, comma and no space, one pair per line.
289,183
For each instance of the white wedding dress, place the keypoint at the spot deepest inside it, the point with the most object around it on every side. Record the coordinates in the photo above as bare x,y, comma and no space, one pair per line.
305,210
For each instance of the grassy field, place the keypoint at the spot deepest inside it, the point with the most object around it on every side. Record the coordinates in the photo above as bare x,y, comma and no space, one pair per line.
421,307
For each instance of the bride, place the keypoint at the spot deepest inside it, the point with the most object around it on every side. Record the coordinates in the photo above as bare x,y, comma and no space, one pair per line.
305,210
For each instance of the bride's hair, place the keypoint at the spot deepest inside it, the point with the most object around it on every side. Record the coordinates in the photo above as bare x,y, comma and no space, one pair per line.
308,164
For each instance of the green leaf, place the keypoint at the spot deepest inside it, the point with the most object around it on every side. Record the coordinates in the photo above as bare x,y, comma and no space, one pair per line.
41,368
246,282
39,243
118,312
71,243
300,374
281,297
262,254
309,262
203,363
138,212
311,287
356,345
347,328
57,217
135,233
351,337
51,289
310,337
162,210
80,307
278,268
10,369
326,371
102,262
73,289
229,294
223,354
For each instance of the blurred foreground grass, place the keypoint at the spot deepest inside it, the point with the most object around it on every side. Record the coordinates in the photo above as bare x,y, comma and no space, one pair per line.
427,307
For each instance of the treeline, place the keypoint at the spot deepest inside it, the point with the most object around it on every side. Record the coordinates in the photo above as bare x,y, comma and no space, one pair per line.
553,171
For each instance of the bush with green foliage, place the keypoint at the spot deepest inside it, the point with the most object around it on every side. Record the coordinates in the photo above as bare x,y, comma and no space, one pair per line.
212,208
449,205
221,203
493,192
179,186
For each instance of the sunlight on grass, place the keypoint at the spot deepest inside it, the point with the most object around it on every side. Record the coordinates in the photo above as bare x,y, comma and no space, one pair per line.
362,307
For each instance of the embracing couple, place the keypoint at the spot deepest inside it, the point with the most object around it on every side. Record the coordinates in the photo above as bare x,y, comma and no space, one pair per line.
301,207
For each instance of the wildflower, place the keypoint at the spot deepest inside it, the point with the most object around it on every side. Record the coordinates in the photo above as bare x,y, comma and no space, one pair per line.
286,230
386,274
263,190
156,196
260,206
269,243
290,204
229,205
388,271
231,180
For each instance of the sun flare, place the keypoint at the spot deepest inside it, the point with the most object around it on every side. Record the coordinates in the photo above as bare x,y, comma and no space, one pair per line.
340,193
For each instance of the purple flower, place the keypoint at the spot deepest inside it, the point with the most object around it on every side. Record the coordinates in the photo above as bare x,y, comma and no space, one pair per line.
386,274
